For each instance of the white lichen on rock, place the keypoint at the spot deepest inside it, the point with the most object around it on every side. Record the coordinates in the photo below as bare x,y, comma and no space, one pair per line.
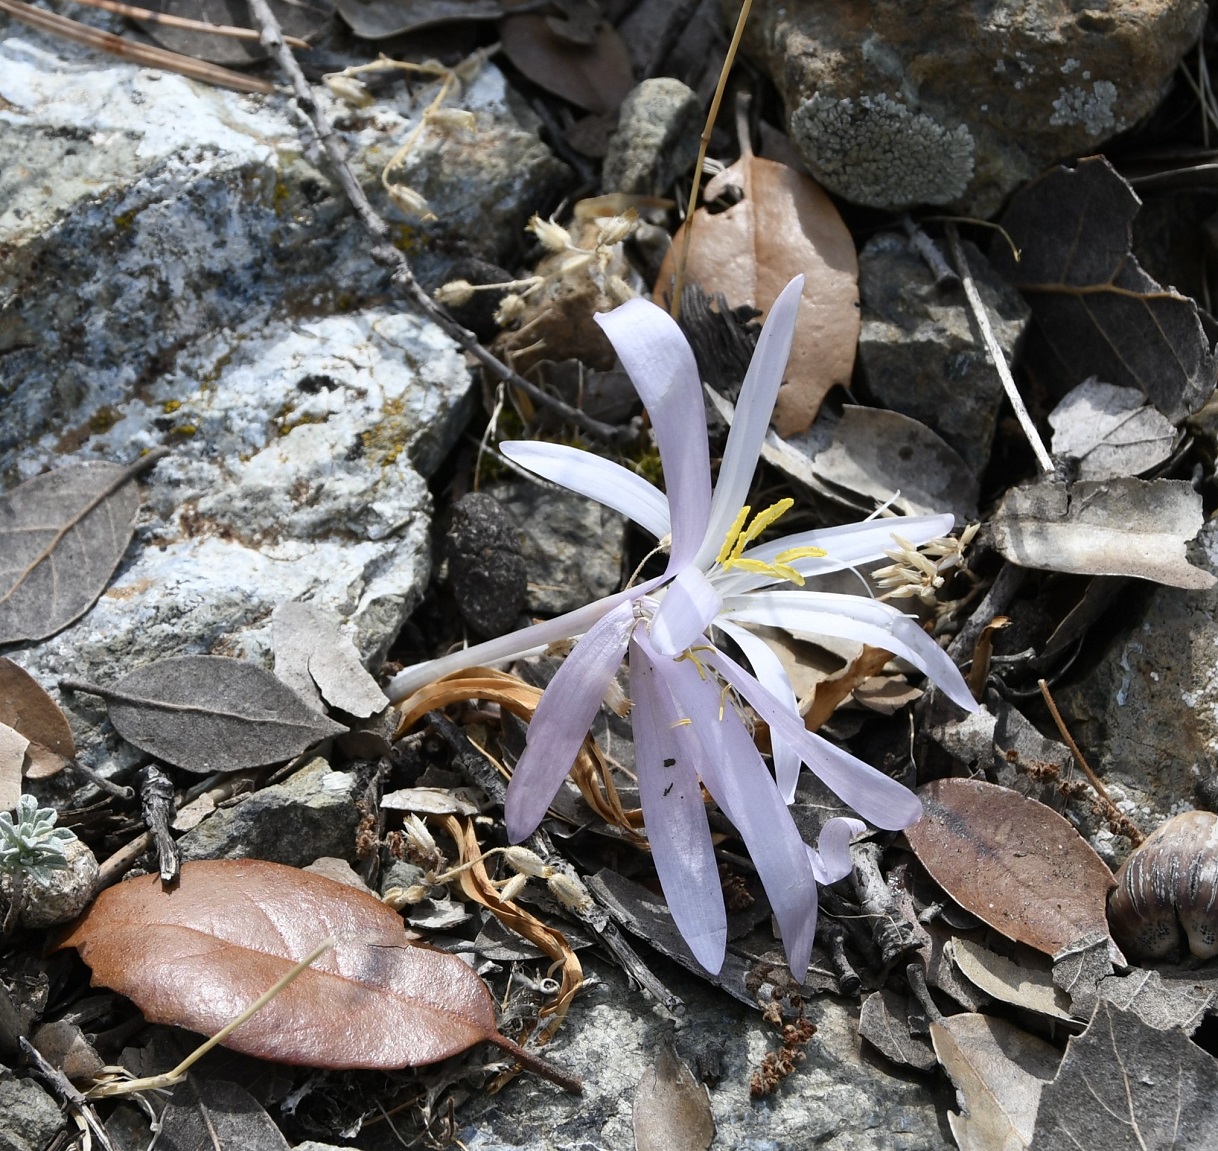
875,151
1091,108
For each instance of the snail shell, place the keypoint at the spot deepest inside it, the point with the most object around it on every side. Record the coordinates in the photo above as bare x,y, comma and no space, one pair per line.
1169,884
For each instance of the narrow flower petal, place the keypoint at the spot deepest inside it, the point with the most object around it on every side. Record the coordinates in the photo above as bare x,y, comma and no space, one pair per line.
563,717
877,798
854,617
846,546
668,756
770,673
831,858
737,778
515,645
752,420
599,479
665,374
685,612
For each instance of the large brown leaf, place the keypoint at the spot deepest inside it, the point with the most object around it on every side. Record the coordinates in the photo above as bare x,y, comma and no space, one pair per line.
783,225
200,953
1012,862
28,709
61,537
1095,311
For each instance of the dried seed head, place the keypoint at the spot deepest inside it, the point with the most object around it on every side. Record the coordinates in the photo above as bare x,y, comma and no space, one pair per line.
399,897
526,862
455,293
513,888
617,228
569,891
510,309
409,201
553,237
452,120
348,89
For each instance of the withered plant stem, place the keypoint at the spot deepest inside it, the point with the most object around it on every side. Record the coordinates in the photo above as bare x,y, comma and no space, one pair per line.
703,144
383,250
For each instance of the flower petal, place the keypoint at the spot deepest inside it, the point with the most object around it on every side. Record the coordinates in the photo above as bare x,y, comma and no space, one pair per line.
858,618
831,858
668,755
735,775
515,645
689,605
770,673
658,358
877,798
563,717
599,479
752,420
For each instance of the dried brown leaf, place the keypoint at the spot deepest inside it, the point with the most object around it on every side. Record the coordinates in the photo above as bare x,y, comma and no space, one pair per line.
1022,985
784,225
200,953
1014,863
12,756
671,1111
28,709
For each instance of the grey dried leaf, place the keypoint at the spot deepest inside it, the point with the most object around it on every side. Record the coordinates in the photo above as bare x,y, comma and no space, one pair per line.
884,1023
1163,1000
1027,986
1079,969
1125,527
1111,431
206,713
999,1073
12,756
428,801
672,1111
317,661
219,1115
64,534
1126,1086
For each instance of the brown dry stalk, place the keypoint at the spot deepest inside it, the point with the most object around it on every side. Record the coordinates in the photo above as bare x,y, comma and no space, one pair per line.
129,50
151,17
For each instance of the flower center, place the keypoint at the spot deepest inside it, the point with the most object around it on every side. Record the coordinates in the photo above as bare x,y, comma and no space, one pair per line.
739,537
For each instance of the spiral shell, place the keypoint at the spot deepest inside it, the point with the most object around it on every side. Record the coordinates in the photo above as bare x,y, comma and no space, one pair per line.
1168,885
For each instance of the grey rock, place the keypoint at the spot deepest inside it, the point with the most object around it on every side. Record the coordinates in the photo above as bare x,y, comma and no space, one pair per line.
573,546
835,1098
310,814
957,103
486,571
656,141
31,1116
65,894
919,348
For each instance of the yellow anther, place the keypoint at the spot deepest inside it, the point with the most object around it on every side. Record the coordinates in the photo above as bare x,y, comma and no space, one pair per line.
688,654
731,555
732,533
761,521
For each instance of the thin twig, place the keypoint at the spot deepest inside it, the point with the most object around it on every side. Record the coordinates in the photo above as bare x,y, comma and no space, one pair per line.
144,54
383,251
164,18
992,346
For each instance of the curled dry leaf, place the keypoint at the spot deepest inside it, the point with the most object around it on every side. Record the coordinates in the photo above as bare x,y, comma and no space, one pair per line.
1014,863
1125,527
64,533
784,225
999,1073
206,713
1026,986
200,953
28,709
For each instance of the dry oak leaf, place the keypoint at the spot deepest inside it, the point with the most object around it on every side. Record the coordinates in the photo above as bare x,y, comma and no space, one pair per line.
1014,863
26,707
198,954
784,225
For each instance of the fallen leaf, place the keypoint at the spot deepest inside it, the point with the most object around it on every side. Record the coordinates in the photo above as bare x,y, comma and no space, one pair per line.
27,708
1126,527
596,77
1110,431
313,657
1124,1086
784,225
1163,1001
215,1115
1095,310
671,1110
12,756
1014,863
1079,969
1009,982
427,801
380,19
200,953
999,1073
207,713
884,1023
64,534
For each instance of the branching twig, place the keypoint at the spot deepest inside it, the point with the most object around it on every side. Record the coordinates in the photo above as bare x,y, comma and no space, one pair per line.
383,251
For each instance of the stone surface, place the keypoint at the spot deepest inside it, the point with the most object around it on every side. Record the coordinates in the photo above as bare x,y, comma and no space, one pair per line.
310,814
656,141
486,572
176,269
920,350
836,1099
63,897
577,543
30,1116
893,104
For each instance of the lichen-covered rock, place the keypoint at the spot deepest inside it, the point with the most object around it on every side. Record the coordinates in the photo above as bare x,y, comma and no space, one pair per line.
959,103
918,346
656,139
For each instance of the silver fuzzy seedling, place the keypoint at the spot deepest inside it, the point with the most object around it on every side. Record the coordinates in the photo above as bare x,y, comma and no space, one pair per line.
31,844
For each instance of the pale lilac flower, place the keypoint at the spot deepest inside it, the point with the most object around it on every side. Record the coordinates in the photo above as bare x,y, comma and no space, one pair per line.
686,691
